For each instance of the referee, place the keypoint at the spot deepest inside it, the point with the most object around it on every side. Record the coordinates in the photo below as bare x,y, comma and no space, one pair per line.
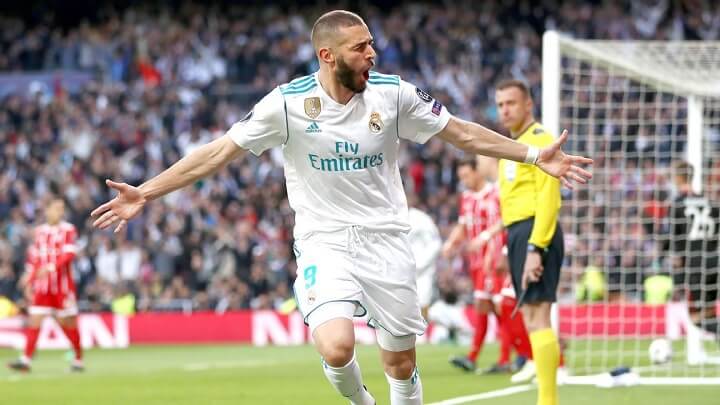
530,203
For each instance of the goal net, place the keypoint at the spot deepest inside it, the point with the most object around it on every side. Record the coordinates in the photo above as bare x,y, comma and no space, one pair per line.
635,107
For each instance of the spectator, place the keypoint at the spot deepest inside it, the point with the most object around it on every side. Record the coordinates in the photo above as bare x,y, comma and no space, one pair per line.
152,84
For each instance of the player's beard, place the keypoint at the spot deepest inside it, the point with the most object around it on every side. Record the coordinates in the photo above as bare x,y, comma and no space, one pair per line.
348,77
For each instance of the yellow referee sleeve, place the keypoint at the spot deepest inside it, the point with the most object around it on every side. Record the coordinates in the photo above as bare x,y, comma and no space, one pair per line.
547,190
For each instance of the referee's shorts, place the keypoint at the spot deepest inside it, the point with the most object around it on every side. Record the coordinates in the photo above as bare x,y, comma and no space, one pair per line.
545,290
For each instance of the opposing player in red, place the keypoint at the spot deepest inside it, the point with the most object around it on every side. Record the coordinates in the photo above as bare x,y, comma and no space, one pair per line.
479,212
48,279
513,334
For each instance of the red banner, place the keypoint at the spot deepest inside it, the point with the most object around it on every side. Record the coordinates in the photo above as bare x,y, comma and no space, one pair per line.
198,327
268,327
615,320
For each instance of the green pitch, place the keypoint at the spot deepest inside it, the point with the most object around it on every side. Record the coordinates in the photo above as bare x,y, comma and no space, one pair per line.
181,375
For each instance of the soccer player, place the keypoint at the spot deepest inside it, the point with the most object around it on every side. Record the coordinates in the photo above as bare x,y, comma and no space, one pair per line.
479,212
530,204
694,248
425,243
49,280
340,129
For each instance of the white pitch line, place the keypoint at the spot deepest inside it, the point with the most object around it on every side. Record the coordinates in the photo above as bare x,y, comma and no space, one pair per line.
485,395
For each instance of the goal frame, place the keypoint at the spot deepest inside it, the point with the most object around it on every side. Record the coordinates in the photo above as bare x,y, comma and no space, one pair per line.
554,47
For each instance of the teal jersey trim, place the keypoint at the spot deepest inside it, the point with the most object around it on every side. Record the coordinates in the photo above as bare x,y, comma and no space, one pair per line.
299,86
379,78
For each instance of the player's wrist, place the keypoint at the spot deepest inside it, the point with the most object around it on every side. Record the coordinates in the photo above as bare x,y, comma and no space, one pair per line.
533,248
532,154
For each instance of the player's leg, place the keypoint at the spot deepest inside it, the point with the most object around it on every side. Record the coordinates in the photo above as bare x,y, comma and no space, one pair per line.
386,270
482,312
482,306
505,338
708,317
519,340
41,305
328,297
36,315
502,287
67,318
399,361
332,330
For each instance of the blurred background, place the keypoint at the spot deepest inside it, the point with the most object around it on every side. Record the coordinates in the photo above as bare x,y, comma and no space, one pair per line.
95,90
120,90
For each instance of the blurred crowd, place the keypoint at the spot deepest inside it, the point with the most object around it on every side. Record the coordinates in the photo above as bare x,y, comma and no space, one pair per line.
161,80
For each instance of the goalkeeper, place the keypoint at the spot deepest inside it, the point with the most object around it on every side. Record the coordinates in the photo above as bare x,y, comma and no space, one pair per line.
694,248
530,204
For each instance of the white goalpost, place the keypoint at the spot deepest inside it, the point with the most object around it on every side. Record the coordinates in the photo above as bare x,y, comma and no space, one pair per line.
635,107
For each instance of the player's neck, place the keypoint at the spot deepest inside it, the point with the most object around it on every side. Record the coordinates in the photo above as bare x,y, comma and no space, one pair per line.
522,128
686,189
479,186
333,88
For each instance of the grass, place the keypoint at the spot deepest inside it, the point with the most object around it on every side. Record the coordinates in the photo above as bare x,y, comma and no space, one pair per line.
274,375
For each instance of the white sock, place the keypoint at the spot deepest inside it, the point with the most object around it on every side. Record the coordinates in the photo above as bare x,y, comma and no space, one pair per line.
347,380
406,392
25,359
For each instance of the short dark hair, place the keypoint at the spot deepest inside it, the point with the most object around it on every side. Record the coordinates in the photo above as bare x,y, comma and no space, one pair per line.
329,23
684,170
518,84
468,161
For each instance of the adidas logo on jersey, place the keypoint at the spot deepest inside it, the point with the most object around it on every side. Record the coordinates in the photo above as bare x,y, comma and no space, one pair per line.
313,128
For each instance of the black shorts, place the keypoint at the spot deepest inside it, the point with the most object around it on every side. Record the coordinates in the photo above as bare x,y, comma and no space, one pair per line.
544,290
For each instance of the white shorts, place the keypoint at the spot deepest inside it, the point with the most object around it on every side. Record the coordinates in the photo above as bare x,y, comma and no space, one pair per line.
375,270
48,311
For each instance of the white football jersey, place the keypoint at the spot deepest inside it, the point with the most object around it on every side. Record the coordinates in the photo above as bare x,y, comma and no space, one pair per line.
341,161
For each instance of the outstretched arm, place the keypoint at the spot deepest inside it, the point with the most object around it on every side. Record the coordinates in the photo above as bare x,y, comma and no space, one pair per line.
130,200
479,140
202,162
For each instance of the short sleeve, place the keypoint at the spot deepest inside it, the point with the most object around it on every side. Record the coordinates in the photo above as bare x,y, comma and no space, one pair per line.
420,116
263,127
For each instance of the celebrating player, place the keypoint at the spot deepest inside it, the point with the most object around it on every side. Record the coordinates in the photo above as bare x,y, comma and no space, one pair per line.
339,129
49,281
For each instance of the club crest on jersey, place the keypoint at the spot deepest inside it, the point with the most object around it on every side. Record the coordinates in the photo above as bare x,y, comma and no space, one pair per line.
423,95
312,107
376,125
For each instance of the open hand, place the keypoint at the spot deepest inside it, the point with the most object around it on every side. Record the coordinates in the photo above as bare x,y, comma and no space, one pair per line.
125,206
553,161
